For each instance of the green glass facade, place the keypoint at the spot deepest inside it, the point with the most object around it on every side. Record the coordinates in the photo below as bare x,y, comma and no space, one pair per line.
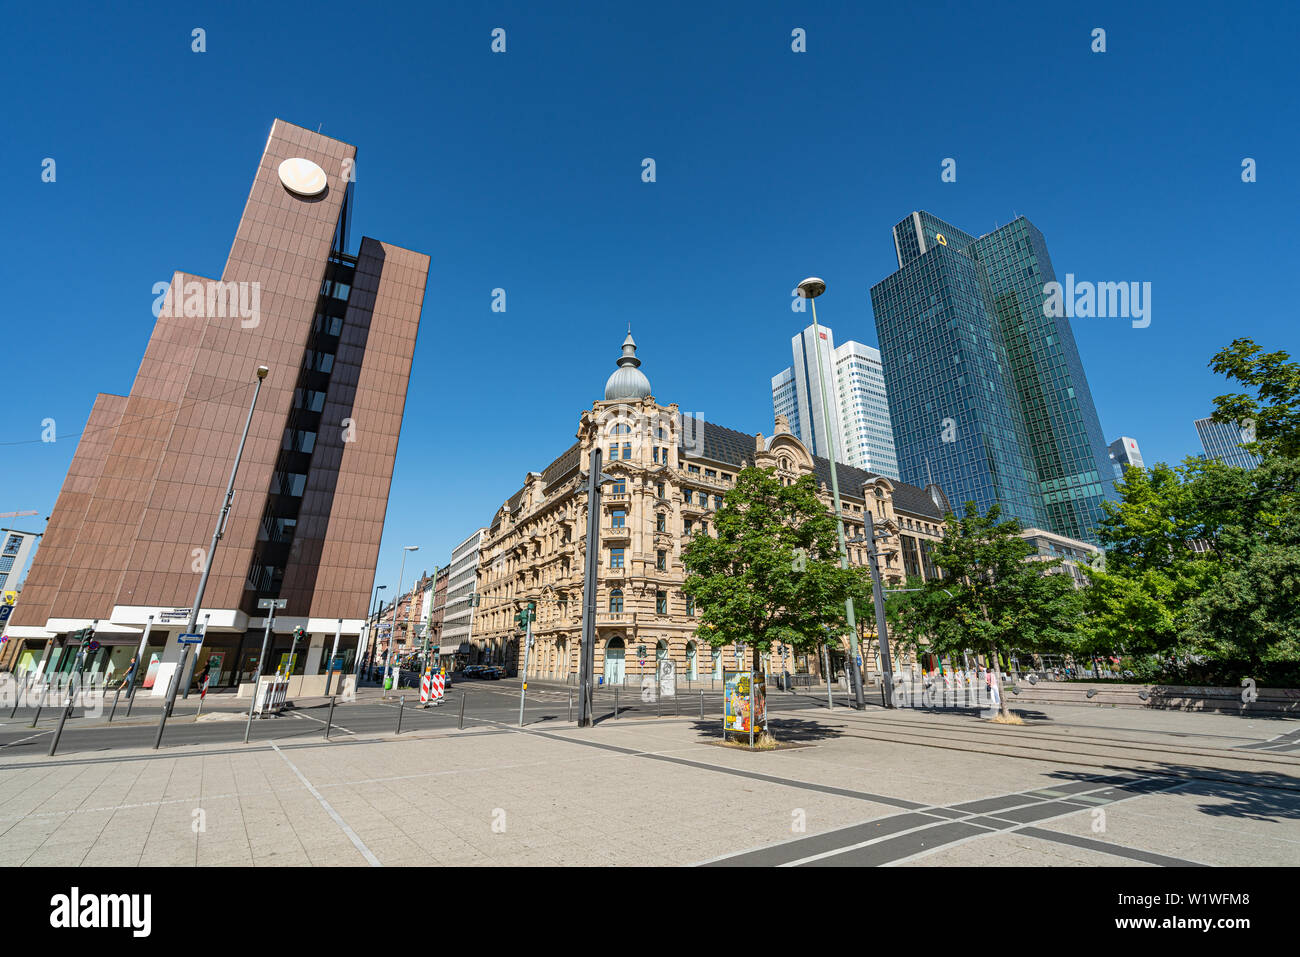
988,396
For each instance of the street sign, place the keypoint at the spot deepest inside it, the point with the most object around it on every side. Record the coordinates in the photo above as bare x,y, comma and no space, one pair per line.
93,646
190,639
5,612
272,602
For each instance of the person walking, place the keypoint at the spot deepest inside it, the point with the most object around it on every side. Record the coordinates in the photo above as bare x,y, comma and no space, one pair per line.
130,674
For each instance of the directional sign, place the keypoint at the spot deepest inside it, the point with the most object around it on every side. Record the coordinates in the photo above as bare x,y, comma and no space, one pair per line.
191,639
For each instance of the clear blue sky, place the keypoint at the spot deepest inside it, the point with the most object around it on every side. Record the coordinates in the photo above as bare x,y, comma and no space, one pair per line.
523,171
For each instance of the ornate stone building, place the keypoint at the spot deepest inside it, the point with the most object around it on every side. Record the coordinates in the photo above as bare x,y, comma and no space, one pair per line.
671,473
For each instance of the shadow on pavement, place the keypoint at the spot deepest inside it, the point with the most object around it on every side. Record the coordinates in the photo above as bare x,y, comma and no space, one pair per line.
1251,795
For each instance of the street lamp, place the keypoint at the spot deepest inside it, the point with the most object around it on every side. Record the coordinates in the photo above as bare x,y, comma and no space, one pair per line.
370,652
392,635
810,289
220,530
878,596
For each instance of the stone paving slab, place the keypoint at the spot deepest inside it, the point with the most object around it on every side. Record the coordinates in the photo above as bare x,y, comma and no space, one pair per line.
650,792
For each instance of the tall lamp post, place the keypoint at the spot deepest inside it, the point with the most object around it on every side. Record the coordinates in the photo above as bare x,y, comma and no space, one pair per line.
372,640
392,635
810,289
207,564
878,594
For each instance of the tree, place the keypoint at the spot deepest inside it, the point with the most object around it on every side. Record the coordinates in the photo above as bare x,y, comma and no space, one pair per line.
772,572
993,596
1274,410
1200,567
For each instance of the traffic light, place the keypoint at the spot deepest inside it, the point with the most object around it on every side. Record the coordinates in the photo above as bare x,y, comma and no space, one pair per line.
526,614
299,632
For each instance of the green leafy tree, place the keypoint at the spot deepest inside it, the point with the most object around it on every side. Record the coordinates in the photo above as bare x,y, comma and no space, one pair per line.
993,595
771,574
1274,409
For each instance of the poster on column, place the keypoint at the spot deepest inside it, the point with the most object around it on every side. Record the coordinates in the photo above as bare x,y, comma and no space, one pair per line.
151,674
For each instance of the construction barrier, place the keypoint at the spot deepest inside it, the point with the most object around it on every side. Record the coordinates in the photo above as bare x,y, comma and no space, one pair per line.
272,694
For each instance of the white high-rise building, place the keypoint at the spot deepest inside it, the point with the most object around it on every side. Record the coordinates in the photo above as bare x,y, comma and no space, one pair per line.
1124,452
859,408
458,620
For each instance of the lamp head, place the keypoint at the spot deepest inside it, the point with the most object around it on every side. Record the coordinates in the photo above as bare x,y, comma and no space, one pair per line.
262,372
811,288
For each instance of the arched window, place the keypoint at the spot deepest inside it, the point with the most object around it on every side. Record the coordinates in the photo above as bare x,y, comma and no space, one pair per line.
616,601
620,428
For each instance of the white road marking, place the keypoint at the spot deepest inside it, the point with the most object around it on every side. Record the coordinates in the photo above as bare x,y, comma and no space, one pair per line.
352,835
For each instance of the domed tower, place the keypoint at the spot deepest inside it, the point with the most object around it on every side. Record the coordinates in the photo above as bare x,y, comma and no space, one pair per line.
627,381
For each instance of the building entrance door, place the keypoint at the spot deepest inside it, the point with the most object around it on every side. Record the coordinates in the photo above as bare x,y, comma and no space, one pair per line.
614,654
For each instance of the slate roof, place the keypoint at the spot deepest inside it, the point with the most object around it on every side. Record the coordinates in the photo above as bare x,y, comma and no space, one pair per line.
560,469
720,444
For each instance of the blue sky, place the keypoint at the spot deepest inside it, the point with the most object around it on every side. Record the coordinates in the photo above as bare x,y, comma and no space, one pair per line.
522,171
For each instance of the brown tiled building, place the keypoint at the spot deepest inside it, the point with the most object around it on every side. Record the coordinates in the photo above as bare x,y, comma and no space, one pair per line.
671,472
129,533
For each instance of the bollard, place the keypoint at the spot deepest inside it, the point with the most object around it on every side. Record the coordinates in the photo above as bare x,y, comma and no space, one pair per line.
401,703
658,710
115,700
58,732
701,705
460,722
570,704
676,708
41,704
616,701
19,694
330,719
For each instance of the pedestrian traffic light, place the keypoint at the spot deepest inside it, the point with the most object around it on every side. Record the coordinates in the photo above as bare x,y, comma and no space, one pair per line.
526,614
299,632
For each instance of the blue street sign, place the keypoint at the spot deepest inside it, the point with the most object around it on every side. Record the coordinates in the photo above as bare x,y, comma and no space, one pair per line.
5,612
859,661
191,639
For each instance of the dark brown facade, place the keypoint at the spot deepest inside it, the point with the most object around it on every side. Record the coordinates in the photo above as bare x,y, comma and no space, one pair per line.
130,530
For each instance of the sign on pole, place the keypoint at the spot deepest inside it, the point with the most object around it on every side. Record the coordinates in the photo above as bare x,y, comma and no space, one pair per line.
190,639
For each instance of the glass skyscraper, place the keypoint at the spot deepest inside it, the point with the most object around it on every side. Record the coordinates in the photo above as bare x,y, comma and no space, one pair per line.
1222,440
987,394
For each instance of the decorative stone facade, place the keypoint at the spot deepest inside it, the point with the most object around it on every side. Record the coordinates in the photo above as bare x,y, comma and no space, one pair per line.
672,471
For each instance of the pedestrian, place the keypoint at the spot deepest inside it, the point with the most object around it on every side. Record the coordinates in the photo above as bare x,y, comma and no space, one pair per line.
130,674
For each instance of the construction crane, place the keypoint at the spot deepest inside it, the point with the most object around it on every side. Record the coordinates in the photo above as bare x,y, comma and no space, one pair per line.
17,514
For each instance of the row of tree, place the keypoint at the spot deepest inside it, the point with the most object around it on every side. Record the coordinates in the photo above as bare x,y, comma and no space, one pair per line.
1200,582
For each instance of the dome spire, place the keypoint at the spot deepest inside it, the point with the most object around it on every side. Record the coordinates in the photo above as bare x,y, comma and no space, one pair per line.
627,381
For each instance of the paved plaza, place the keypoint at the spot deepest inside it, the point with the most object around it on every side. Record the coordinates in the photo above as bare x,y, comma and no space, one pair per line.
1074,786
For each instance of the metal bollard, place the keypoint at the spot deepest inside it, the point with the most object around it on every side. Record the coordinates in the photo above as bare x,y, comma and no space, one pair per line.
58,732
41,704
701,705
401,703
330,719
460,722
115,700
616,701
20,692
570,704
676,707
658,709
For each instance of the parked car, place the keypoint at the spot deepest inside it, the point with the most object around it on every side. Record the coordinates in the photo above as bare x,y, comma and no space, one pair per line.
495,672
473,671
